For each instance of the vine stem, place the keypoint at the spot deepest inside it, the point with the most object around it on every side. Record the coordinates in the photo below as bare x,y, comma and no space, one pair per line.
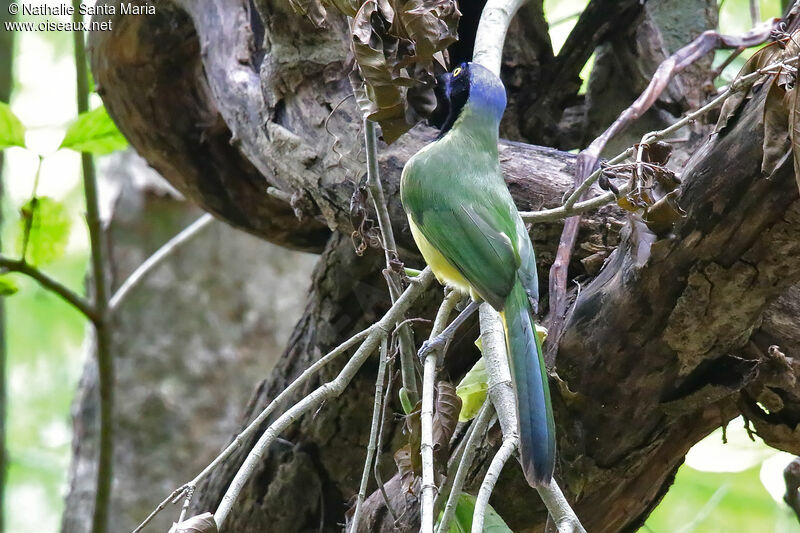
499,460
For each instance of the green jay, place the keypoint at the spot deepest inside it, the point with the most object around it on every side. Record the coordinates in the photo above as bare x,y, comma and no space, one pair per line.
470,233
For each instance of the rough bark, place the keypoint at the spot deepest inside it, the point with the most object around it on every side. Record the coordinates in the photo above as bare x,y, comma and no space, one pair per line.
657,349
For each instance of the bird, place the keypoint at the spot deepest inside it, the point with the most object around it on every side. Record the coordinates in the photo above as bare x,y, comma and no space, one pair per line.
470,233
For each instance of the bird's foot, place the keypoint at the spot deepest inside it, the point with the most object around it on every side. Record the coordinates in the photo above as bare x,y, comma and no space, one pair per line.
438,343
441,341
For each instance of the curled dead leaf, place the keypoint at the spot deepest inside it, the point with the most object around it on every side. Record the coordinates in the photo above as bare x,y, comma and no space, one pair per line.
663,214
445,418
395,44
765,56
202,523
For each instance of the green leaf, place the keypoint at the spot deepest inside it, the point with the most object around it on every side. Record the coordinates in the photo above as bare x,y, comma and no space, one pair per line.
405,401
12,132
7,286
472,391
94,132
462,520
46,226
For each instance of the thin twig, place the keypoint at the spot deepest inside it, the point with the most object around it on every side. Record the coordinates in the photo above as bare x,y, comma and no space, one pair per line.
377,467
377,409
256,423
375,188
452,466
428,487
487,486
587,205
326,391
65,293
480,426
26,234
157,258
557,505
177,493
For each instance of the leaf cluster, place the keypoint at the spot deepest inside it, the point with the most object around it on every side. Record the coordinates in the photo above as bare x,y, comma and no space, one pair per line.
399,46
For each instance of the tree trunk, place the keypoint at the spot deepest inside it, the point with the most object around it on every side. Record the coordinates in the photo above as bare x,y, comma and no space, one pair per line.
667,342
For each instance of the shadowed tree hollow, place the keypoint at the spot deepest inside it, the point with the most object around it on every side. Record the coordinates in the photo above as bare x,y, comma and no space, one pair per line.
246,108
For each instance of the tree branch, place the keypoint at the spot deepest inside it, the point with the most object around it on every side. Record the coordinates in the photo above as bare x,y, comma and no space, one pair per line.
373,433
587,159
428,487
157,258
256,423
499,460
501,392
54,286
328,390
492,29
479,427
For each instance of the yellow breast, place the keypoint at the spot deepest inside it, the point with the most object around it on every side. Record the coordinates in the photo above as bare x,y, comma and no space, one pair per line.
446,273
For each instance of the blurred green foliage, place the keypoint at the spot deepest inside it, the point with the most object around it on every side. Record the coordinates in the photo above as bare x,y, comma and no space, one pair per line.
43,230
94,132
12,132
720,502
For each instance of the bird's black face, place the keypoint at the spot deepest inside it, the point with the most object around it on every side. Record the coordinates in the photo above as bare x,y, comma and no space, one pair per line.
452,93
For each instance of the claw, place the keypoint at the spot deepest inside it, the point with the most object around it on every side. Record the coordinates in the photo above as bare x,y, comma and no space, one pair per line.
429,346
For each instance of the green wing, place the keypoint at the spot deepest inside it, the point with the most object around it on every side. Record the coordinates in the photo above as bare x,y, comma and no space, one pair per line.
527,269
478,241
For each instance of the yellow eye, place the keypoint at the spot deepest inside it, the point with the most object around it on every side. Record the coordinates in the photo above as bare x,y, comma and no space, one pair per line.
456,71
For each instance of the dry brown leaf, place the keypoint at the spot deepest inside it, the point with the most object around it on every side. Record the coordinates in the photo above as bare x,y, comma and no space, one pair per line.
405,466
347,7
448,405
395,44
431,24
663,214
767,55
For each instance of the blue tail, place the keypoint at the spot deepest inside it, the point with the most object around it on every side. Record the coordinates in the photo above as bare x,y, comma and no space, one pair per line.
536,427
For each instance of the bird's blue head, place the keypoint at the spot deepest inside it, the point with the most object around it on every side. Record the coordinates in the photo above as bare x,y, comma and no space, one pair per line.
470,86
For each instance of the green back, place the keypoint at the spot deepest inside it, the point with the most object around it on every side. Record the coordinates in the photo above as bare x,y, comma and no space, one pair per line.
454,191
